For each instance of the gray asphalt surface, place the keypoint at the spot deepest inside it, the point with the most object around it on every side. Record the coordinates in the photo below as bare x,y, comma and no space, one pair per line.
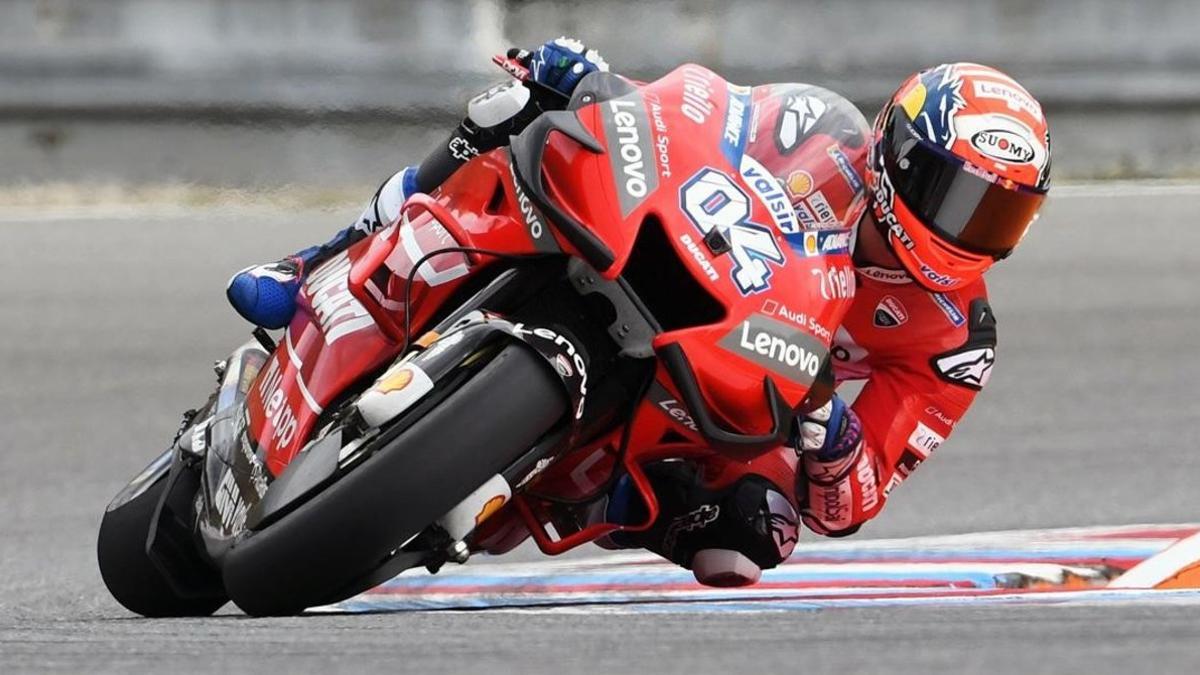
108,326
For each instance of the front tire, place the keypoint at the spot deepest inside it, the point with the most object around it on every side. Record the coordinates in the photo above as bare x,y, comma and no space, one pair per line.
134,578
314,554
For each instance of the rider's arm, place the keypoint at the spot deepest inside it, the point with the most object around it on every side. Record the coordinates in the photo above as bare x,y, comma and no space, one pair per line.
492,118
554,70
910,405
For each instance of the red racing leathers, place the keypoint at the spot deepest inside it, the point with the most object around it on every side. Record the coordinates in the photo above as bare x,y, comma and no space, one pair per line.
923,355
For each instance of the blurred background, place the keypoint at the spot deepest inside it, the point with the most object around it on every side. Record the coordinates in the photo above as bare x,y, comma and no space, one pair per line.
151,148
333,95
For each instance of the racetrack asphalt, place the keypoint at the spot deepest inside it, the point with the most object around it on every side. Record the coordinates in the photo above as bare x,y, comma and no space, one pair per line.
109,323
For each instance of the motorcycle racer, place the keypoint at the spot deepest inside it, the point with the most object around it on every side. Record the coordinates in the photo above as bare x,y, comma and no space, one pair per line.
947,183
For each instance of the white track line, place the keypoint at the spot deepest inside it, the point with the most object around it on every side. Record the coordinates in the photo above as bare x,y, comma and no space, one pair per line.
1158,568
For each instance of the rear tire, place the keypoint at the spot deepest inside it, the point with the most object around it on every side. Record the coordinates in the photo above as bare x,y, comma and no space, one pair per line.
132,576
314,554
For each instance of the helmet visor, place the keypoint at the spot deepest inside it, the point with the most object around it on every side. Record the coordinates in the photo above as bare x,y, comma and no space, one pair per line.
965,205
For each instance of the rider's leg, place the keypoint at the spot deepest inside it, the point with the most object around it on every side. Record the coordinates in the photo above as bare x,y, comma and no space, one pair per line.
265,294
725,521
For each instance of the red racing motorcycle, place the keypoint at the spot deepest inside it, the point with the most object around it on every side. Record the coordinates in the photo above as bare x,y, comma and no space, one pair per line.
621,285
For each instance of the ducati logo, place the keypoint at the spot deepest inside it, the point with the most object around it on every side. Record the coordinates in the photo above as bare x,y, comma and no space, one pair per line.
890,313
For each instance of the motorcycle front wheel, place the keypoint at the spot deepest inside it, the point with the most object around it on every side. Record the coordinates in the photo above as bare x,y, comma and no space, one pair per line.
317,553
171,579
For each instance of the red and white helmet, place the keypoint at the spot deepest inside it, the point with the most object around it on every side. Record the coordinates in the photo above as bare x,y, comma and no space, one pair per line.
959,167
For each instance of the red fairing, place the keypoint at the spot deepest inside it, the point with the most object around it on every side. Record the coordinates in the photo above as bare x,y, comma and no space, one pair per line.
351,309
757,191
331,341
785,285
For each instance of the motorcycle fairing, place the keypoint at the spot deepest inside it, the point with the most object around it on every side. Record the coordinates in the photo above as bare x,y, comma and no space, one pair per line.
783,288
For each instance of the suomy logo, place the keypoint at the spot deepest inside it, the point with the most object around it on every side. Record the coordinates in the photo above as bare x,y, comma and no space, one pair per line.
1003,146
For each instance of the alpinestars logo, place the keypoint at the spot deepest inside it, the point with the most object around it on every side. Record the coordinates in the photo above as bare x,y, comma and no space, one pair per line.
798,117
784,523
971,368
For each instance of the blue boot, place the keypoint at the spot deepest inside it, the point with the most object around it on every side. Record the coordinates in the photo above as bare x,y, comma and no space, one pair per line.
265,295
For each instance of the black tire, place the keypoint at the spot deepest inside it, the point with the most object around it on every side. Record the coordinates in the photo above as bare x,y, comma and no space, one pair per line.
132,576
314,554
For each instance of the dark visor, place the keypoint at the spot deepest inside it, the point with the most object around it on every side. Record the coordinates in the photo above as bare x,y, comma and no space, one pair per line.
966,205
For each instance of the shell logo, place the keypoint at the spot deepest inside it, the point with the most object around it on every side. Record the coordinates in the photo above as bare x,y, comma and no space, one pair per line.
491,506
799,184
395,381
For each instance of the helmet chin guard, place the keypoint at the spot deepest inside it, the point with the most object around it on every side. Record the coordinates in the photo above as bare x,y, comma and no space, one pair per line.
958,170
932,263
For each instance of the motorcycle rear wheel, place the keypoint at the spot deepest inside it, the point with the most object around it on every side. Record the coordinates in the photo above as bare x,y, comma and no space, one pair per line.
315,554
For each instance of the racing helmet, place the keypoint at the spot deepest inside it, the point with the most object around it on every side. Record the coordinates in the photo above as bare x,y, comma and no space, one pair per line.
958,168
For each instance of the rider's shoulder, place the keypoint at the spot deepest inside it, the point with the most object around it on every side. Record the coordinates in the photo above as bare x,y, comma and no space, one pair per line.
916,323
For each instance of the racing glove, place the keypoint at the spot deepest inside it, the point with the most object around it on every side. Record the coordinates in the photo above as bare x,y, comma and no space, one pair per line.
560,64
838,482
505,110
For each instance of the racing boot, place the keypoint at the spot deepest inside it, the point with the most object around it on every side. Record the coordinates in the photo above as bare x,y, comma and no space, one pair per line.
726,536
265,294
